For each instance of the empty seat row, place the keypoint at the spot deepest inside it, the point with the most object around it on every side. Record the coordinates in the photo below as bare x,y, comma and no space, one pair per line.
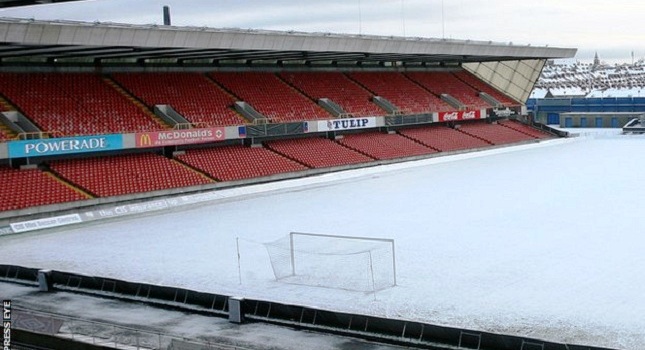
525,129
238,162
494,133
74,103
270,96
446,83
192,95
443,138
317,152
125,174
28,188
384,146
335,86
400,91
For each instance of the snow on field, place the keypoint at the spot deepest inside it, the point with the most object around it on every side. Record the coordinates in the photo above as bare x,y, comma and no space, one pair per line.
538,240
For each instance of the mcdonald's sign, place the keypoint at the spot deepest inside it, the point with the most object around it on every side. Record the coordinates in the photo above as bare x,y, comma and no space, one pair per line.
179,137
144,140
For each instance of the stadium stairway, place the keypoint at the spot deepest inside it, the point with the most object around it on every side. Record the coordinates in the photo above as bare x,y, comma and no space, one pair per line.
194,169
382,146
237,162
317,152
135,101
495,133
65,183
194,96
336,86
524,129
443,138
127,174
445,83
405,94
471,134
5,132
226,92
5,105
283,104
27,188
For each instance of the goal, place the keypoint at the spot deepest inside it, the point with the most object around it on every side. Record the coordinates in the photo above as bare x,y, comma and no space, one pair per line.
351,263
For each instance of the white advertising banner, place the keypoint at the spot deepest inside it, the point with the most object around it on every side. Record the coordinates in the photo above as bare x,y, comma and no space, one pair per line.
346,124
38,224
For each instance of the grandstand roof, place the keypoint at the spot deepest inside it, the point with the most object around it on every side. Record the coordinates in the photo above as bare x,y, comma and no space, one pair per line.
512,69
18,3
59,40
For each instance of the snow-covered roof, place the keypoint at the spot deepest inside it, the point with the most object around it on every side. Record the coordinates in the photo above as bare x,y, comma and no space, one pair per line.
575,79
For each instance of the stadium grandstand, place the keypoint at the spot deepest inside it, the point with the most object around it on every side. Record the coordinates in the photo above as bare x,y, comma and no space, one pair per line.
201,107
94,114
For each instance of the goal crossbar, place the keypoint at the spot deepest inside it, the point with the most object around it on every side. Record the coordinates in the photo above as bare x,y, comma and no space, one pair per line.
334,260
358,238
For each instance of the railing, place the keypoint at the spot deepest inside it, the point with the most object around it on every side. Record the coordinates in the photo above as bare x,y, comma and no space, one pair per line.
550,130
106,334
397,331
183,126
408,119
38,135
261,121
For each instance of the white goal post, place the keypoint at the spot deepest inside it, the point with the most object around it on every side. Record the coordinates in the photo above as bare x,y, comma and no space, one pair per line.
344,262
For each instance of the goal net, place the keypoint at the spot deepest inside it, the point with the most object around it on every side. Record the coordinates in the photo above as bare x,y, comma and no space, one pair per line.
352,263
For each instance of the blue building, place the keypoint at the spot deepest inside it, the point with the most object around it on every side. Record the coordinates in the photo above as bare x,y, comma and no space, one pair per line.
612,110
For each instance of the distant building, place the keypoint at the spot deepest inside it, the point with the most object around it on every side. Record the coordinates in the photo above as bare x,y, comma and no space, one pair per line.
596,61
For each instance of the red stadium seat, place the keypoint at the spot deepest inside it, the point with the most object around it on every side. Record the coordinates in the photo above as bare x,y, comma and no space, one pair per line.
494,133
229,163
191,94
317,152
384,146
443,138
446,83
28,188
336,86
401,91
525,129
270,96
119,175
74,103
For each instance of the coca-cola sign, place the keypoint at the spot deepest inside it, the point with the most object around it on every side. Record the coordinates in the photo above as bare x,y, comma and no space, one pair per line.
449,116
470,115
459,115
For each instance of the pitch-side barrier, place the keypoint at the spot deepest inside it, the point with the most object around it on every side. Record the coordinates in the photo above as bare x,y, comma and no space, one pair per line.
241,310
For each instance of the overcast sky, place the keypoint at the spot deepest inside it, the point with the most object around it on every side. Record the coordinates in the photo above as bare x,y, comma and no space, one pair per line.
613,28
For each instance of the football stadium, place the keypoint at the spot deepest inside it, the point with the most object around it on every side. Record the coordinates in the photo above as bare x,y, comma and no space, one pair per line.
170,187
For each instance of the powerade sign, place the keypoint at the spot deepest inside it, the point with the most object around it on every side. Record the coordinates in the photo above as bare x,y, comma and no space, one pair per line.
65,145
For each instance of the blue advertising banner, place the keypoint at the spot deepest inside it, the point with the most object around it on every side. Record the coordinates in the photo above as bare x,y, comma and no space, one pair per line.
65,145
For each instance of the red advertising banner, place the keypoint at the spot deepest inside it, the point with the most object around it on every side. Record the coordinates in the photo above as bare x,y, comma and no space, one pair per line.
178,137
460,115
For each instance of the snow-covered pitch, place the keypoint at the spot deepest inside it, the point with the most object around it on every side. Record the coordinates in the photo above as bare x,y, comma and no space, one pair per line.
544,240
